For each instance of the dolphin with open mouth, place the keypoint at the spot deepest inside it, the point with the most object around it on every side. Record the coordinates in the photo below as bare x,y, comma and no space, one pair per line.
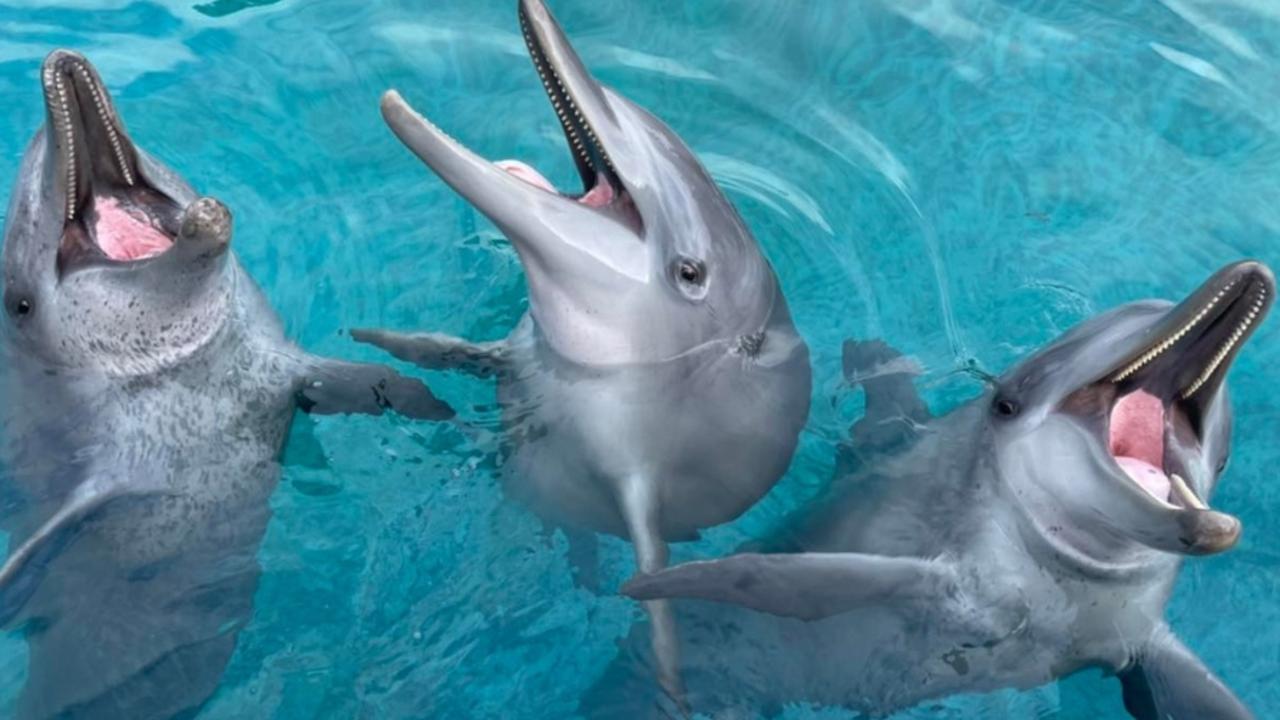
1033,532
657,384
148,390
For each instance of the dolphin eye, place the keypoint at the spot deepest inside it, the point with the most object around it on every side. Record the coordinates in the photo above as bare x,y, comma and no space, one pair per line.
691,271
1005,407
1222,464
22,307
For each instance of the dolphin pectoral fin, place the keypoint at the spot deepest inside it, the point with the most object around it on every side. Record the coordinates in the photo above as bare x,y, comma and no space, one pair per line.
437,351
640,511
1166,681
808,586
894,409
23,569
334,386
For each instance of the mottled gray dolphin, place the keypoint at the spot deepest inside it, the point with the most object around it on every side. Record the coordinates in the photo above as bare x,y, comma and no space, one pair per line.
657,384
148,390
1033,532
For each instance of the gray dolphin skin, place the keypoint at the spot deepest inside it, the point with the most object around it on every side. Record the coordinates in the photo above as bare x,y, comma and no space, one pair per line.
657,384
148,391
1031,533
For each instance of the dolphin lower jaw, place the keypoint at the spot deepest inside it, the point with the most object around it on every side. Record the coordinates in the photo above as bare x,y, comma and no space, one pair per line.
1151,407
111,213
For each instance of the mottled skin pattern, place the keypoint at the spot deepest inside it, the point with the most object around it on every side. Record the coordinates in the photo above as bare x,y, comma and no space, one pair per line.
146,403
998,546
153,590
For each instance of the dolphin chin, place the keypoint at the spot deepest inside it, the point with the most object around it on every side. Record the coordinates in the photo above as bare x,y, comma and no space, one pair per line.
112,212
1151,405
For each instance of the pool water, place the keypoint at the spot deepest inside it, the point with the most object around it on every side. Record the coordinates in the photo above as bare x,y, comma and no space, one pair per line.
965,178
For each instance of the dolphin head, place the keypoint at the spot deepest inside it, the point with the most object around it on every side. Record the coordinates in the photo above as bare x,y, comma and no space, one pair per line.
649,261
109,257
1115,435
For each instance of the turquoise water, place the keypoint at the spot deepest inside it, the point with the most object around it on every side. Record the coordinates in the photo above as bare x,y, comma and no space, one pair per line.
966,178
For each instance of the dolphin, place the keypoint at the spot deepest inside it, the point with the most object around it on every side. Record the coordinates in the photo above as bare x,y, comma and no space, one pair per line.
148,393
657,385
1033,532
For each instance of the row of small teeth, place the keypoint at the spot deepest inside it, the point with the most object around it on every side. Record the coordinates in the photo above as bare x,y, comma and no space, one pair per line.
1231,342
546,75
63,112
63,116
1173,339
112,136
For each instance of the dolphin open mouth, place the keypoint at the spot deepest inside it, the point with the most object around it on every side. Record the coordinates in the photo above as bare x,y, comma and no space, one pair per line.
600,182
112,214
1155,399
582,109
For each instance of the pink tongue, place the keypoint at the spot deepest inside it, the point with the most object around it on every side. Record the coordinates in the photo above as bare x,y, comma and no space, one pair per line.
525,172
598,196
1151,478
1137,441
126,233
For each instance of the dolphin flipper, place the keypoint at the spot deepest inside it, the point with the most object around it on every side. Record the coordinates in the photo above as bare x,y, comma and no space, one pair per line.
640,511
334,386
437,351
894,411
808,586
1166,681
22,570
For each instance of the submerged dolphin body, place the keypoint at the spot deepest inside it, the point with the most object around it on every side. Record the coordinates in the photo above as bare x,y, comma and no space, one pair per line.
657,384
1031,533
148,389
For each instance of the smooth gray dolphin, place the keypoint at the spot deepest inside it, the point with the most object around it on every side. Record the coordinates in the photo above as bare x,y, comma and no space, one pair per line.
657,384
148,390
1033,532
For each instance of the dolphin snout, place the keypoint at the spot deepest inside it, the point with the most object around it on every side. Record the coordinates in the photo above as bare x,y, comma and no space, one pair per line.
1209,532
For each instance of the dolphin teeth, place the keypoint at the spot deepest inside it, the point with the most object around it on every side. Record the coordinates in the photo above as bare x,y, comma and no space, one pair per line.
1185,494
112,136
1230,344
58,98
563,103
62,116
1173,339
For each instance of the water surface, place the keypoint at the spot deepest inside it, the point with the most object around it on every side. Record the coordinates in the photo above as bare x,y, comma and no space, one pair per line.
966,178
